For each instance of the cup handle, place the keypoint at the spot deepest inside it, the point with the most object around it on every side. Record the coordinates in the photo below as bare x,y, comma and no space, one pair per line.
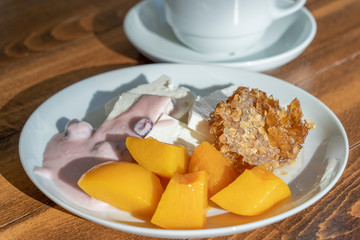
281,8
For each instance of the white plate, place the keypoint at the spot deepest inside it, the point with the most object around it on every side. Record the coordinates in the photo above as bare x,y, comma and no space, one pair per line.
285,39
325,150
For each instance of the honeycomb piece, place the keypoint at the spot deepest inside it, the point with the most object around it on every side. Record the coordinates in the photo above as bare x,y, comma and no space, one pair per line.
251,129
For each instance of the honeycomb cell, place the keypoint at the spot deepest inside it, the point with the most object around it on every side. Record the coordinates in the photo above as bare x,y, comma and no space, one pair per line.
251,129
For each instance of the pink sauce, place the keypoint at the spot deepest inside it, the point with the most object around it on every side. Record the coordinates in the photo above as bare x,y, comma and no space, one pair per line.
74,151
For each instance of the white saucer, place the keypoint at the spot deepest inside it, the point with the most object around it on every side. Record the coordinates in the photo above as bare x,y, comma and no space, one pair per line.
286,39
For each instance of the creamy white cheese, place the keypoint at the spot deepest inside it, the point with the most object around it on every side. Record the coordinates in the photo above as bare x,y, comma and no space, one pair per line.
172,131
182,98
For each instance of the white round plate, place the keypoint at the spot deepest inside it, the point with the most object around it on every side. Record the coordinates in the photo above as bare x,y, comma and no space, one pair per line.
325,149
285,39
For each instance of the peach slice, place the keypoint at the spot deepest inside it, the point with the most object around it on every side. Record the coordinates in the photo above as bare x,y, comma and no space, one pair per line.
124,185
220,170
184,202
253,192
161,158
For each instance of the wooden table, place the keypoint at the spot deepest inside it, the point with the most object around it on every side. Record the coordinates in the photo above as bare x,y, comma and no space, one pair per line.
48,45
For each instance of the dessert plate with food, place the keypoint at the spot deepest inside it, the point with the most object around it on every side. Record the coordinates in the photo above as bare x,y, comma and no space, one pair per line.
232,150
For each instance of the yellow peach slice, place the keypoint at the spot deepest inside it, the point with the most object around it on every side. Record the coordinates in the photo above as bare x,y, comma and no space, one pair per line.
184,202
124,185
161,158
253,192
220,170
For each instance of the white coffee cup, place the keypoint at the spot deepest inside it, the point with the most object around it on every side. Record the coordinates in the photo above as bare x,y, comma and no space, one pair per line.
224,26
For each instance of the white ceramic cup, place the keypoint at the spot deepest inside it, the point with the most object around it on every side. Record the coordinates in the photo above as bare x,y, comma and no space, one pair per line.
224,26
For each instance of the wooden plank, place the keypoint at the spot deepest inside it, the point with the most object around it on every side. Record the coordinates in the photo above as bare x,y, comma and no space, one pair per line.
32,27
19,196
83,54
337,40
53,222
339,88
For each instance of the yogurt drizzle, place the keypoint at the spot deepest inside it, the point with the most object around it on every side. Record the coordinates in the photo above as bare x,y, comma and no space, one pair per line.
79,147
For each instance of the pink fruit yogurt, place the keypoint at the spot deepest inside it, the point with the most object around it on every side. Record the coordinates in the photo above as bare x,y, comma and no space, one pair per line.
79,147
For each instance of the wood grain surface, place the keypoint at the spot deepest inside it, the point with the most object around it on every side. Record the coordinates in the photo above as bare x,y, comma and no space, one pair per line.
47,45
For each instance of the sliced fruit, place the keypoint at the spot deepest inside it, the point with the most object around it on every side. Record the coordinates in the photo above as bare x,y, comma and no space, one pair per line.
253,192
124,185
184,202
161,158
219,169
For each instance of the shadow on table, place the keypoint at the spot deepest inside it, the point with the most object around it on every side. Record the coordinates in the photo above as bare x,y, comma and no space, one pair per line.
108,29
